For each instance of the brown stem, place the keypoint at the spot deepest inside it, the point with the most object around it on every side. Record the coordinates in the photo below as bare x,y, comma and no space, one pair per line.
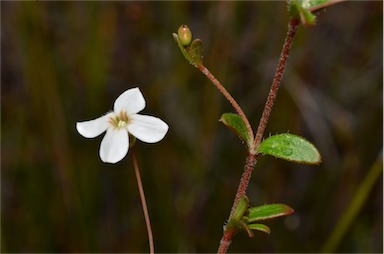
293,23
143,203
233,102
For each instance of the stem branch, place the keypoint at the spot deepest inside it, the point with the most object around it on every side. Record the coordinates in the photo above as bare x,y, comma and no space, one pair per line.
143,203
233,102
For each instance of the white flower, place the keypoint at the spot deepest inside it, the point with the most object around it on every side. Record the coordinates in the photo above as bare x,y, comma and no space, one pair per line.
123,120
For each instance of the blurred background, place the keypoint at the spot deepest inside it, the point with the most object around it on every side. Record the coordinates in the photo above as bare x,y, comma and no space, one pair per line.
63,62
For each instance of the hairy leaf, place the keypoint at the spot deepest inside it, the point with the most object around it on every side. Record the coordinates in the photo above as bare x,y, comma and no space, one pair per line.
290,147
268,211
260,227
236,124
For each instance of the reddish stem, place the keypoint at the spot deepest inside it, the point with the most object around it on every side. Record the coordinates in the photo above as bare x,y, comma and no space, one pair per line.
250,163
251,158
226,241
293,23
143,203
233,102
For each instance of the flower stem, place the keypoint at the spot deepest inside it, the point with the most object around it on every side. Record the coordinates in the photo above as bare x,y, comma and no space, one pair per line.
143,203
292,27
233,102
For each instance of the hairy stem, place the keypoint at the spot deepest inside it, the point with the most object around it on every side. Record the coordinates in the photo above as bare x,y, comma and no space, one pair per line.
143,203
293,23
251,158
226,241
233,102
250,163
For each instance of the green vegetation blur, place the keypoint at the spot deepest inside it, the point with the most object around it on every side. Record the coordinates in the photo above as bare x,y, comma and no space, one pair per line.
63,62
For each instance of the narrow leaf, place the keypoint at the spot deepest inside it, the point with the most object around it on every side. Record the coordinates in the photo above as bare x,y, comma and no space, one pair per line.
290,147
269,211
237,226
236,124
260,227
314,5
241,208
181,47
196,52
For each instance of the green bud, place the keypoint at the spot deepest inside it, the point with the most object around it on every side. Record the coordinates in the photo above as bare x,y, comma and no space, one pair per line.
185,35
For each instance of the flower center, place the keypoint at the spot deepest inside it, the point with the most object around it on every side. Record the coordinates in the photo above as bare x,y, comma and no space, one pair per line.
119,120
121,124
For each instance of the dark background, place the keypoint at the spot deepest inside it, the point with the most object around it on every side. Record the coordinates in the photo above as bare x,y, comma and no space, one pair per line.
63,62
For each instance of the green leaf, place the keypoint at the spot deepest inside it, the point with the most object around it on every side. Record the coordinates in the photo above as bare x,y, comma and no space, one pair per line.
236,124
181,46
316,5
302,9
269,211
193,53
196,52
237,226
309,4
260,227
241,208
299,9
291,148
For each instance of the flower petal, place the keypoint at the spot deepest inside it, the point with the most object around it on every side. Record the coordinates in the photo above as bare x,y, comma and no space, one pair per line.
93,128
114,145
131,101
147,128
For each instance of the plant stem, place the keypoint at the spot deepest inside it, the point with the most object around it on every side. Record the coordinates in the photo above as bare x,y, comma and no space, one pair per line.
252,157
292,27
143,203
226,241
250,163
233,102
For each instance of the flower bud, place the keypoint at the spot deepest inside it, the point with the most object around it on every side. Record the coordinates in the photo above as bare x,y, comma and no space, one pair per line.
185,35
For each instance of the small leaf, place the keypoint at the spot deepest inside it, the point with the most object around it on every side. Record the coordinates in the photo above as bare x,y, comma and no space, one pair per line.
269,211
181,46
299,9
237,226
309,4
260,227
241,208
196,52
321,4
290,147
236,124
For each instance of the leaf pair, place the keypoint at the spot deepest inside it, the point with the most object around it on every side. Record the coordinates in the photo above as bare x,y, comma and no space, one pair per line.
284,146
244,217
